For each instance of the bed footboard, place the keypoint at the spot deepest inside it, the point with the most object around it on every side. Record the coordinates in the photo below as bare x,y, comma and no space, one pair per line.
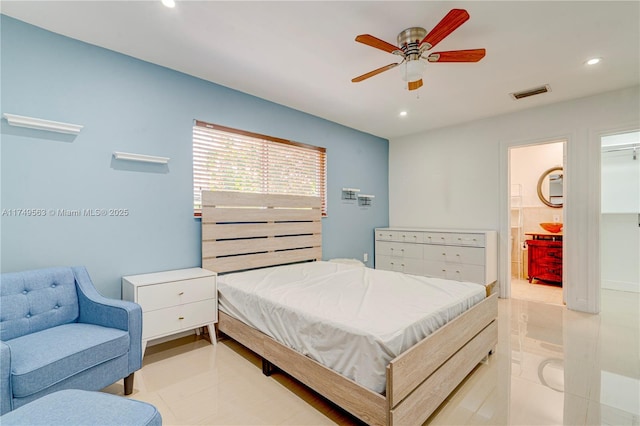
418,381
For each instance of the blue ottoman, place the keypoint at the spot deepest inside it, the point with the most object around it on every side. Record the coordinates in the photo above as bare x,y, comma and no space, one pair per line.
81,408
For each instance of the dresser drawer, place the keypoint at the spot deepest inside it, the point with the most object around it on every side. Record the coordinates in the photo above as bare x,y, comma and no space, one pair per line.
455,254
461,272
472,273
402,250
408,266
435,268
158,296
475,240
386,235
434,238
171,320
409,237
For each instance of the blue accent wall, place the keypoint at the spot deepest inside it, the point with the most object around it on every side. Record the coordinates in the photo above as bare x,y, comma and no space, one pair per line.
129,105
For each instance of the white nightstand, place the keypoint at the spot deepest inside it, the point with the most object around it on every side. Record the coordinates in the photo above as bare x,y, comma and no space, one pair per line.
174,301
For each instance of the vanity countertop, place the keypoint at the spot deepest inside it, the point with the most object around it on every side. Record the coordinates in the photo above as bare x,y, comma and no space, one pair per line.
545,236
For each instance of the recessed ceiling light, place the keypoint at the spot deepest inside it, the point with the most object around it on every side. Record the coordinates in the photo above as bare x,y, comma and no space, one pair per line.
593,61
403,113
169,3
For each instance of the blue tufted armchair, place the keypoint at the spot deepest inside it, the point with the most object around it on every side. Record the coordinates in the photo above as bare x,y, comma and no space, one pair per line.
57,332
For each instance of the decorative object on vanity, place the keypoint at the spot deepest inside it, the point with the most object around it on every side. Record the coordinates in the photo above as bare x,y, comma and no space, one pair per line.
365,200
461,255
350,193
41,124
174,301
140,157
553,227
412,45
550,187
545,257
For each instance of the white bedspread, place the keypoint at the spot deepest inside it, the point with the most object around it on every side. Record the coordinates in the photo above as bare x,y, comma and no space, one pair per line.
351,319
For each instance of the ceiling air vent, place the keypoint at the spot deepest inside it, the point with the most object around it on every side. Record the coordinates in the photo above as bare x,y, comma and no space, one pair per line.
531,92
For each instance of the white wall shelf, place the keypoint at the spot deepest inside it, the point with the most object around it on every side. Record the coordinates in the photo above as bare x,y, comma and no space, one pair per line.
40,124
349,193
140,158
365,200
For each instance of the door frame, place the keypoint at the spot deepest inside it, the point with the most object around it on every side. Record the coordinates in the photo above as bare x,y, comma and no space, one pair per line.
505,207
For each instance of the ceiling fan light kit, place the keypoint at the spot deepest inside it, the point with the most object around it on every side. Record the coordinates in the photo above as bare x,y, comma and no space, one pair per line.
414,42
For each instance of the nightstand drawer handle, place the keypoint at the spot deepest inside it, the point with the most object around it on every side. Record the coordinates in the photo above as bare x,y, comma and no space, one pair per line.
181,293
180,318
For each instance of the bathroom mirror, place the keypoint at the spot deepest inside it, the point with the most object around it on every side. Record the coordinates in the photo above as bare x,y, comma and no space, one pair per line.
550,189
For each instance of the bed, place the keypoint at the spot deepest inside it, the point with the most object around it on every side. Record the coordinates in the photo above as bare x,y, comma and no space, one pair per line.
242,232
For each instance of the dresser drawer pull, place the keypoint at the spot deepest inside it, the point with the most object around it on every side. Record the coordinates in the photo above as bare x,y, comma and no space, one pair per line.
181,293
180,318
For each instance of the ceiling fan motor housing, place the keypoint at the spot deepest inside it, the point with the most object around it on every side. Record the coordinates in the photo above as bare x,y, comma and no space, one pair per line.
409,42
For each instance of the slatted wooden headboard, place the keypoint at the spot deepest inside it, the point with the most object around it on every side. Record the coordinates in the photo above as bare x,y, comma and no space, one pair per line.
243,230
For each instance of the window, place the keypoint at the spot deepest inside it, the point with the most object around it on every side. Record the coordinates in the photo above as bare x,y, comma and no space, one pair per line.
226,159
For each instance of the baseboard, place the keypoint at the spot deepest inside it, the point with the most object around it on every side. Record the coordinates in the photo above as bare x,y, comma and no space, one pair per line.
620,286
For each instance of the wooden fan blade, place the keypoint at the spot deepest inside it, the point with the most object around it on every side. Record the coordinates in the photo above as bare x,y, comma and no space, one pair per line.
413,85
471,55
372,41
374,72
446,26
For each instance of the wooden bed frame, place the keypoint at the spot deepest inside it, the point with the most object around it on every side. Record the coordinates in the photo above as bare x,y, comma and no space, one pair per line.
244,231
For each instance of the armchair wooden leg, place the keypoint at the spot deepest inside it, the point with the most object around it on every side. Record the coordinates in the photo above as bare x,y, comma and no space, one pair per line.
128,384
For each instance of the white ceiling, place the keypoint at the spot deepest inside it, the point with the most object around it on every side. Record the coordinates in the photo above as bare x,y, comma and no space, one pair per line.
303,55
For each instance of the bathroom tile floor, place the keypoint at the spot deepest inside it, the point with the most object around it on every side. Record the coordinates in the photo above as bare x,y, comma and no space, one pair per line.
553,366
536,291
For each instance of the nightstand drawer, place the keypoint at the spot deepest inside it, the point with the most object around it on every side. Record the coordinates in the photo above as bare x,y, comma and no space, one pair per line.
164,295
177,318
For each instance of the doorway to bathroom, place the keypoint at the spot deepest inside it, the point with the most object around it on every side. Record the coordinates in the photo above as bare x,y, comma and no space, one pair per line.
536,175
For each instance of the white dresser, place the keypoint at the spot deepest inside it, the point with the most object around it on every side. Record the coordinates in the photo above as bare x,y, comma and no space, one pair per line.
461,255
174,301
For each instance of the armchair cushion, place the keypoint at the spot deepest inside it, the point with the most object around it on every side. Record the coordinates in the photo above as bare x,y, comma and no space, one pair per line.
37,300
85,346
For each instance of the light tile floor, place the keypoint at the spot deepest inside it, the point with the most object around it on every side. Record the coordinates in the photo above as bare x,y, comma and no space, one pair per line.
536,291
553,366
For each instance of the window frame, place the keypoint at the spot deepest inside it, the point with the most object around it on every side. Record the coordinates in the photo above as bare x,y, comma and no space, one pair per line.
265,139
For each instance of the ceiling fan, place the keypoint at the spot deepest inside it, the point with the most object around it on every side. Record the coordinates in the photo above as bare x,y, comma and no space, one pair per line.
414,42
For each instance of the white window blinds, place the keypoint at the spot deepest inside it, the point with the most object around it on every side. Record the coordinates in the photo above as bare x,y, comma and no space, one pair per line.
226,159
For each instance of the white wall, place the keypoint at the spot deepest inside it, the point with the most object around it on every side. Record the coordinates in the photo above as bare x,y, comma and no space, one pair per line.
620,244
457,177
528,163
